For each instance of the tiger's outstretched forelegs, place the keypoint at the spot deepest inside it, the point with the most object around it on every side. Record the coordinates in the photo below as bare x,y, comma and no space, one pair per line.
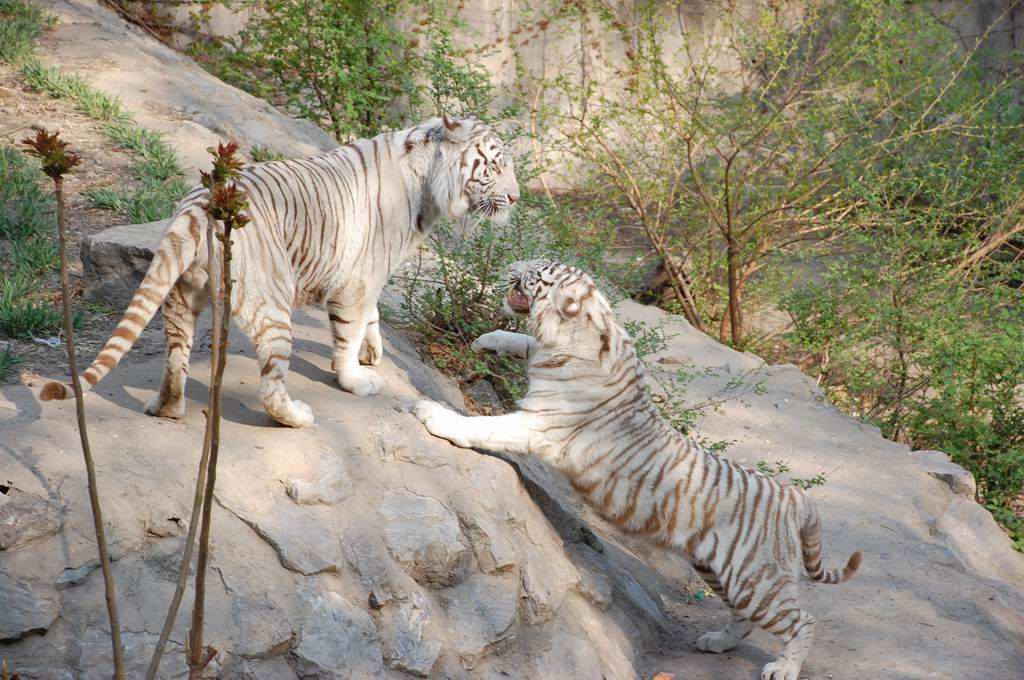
353,317
508,433
506,343
181,309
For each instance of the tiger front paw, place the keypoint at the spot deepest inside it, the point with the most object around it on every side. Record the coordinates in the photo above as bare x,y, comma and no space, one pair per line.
781,669
360,381
440,421
503,342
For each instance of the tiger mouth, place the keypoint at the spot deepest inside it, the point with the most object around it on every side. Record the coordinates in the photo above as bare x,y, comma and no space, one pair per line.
518,302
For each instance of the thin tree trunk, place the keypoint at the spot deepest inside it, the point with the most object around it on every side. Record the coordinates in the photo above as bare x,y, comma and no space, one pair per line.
201,656
90,467
735,314
197,501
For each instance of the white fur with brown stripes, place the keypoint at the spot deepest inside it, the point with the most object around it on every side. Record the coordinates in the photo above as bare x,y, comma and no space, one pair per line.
328,228
588,413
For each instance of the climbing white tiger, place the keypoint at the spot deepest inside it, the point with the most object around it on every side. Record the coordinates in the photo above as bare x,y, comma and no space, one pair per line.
330,228
587,412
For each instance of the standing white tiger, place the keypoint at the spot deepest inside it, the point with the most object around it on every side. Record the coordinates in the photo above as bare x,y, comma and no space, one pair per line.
587,413
330,228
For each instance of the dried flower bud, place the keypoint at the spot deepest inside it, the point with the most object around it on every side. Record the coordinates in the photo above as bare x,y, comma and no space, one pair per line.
52,151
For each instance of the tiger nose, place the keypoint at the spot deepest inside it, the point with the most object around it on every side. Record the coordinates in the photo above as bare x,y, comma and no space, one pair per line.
512,198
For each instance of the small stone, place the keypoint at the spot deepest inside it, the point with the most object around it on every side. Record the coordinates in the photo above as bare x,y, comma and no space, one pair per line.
337,641
482,614
482,392
939,465
25,517
403,636
73,577
24,609
426,539
331,487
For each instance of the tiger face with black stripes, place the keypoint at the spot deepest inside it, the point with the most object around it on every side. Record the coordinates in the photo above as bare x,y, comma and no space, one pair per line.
488,187
587,412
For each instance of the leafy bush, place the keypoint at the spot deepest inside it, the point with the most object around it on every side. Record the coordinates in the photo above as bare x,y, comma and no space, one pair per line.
933,361
340,63
8,360
26,210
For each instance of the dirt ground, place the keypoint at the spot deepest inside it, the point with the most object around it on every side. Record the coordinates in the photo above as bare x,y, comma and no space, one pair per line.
104,164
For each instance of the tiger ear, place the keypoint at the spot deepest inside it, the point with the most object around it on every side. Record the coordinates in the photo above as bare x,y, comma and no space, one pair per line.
568,300
456,130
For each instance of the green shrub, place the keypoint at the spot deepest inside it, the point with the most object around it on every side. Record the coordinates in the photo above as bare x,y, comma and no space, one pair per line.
341,64
26,210
8,360
935,360
20,25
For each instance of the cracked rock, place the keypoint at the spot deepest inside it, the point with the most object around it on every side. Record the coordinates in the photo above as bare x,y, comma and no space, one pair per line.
337,641
24,609
481,613
403,628
25,517
426,539
301,541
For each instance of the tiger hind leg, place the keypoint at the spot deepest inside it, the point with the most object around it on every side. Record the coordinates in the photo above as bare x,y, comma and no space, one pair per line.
773,605
718,641
180,309
273,340
795,628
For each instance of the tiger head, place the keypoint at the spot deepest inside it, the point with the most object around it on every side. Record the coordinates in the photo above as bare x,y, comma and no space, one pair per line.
566,311
472,173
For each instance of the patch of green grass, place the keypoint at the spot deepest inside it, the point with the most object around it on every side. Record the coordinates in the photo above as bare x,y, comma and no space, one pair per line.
26,210
157,158
90,101
20,25
23,319
156,167
37,255
151,202
262,154
8,360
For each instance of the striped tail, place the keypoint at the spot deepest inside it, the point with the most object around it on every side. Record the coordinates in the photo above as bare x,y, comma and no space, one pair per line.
176,252
810,544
